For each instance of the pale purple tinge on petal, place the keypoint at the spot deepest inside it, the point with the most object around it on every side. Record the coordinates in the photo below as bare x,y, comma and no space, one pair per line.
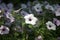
56,21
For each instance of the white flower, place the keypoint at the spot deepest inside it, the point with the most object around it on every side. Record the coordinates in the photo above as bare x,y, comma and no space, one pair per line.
4,30
37,7
39,38
57,12
49,7
51,26
30,19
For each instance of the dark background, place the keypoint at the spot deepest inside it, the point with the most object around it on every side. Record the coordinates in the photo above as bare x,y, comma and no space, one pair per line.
24,1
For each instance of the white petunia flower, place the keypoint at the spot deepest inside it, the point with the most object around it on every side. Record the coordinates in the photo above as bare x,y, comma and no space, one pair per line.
37,7
4,30
39,38
51,26
30,19
57,12
49,7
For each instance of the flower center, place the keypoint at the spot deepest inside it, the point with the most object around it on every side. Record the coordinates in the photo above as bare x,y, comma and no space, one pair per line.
37,8
3,29
55,22
59,3
49,25
40,11
30,19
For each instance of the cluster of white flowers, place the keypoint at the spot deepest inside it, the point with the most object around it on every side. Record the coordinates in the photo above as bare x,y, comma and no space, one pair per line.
5,11
29,17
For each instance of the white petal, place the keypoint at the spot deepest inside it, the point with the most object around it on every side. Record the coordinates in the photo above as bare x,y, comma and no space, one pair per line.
53,26
4,32
33,19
